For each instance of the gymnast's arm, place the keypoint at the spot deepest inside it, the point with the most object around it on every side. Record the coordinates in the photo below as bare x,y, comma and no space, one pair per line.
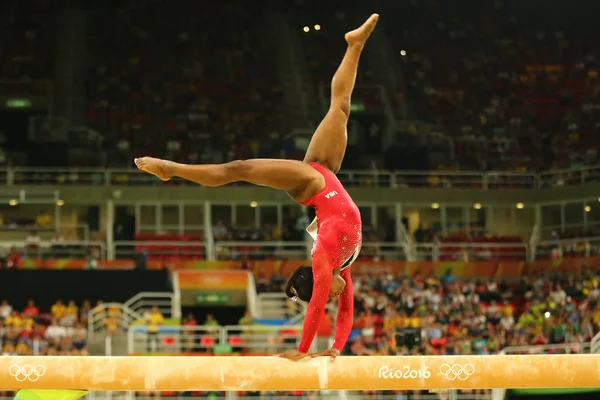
345,316
322,273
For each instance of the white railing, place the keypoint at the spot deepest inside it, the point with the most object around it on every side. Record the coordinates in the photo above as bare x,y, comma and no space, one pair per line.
128,249
470,251
385,250
51,249
429,179
144,301
534,239
114,313
182,339
260,250
173,339
595,344
580,247
132,311
278,306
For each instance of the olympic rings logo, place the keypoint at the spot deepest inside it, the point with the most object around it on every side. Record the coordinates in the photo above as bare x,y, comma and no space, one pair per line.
26,372
457,371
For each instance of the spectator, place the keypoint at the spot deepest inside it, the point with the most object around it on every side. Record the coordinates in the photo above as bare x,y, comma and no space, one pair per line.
5,309
31,309
14,259
246,319
33,240
44,219
210,320
55,332
58,309
154,319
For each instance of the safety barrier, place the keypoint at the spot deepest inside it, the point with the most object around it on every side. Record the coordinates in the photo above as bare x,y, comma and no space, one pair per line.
208,338
364,178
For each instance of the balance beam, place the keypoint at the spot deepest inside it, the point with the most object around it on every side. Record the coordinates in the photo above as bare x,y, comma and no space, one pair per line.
272,373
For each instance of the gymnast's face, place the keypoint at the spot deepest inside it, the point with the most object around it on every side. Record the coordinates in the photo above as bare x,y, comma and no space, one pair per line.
337,286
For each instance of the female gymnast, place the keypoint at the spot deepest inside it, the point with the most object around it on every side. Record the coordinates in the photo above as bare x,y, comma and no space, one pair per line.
312,182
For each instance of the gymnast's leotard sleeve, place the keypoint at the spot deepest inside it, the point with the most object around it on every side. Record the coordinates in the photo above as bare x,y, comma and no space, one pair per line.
323,274
345,316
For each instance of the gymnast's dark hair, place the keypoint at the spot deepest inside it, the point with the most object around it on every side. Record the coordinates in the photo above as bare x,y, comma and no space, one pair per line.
300,284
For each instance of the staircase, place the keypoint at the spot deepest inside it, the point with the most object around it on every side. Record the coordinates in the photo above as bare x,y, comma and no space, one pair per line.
298,89
124,315
276,306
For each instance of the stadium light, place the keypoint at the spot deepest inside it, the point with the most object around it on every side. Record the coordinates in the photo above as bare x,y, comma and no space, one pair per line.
435,206
520,206
306,29
317,27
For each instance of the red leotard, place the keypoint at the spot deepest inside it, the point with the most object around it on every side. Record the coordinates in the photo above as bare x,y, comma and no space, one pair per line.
339,235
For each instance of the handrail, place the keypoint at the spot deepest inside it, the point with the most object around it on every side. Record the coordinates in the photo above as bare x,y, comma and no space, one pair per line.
140,303
366,178
595,344
99,313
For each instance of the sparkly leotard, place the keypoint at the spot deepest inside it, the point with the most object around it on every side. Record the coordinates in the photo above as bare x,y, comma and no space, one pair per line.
337,232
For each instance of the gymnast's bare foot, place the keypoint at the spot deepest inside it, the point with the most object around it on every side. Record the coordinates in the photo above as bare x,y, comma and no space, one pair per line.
163,169
359,36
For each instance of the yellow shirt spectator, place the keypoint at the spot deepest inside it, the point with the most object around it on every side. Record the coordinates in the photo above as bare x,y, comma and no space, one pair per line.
155,318
28,324
43,220
22,349
72,309
14,320
58,310
414,322
395,321
114,311
112,324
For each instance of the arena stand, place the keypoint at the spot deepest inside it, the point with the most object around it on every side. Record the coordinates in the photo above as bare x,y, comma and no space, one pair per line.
453,262
529,90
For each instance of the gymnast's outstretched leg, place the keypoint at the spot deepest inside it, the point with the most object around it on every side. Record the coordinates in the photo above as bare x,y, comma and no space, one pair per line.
328,144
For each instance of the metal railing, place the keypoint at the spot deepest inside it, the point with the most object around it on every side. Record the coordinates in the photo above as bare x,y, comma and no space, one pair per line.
128,249
278,306
144,301
261,250
276,250
595,344
366,178
106,314
186,339
582,247
123,315
470,251
51,249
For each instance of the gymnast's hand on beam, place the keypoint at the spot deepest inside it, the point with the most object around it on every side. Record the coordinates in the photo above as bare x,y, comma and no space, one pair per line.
293,355
333,353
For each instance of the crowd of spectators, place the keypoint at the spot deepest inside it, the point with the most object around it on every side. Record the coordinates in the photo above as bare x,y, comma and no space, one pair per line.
62,330
515,88
168,81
